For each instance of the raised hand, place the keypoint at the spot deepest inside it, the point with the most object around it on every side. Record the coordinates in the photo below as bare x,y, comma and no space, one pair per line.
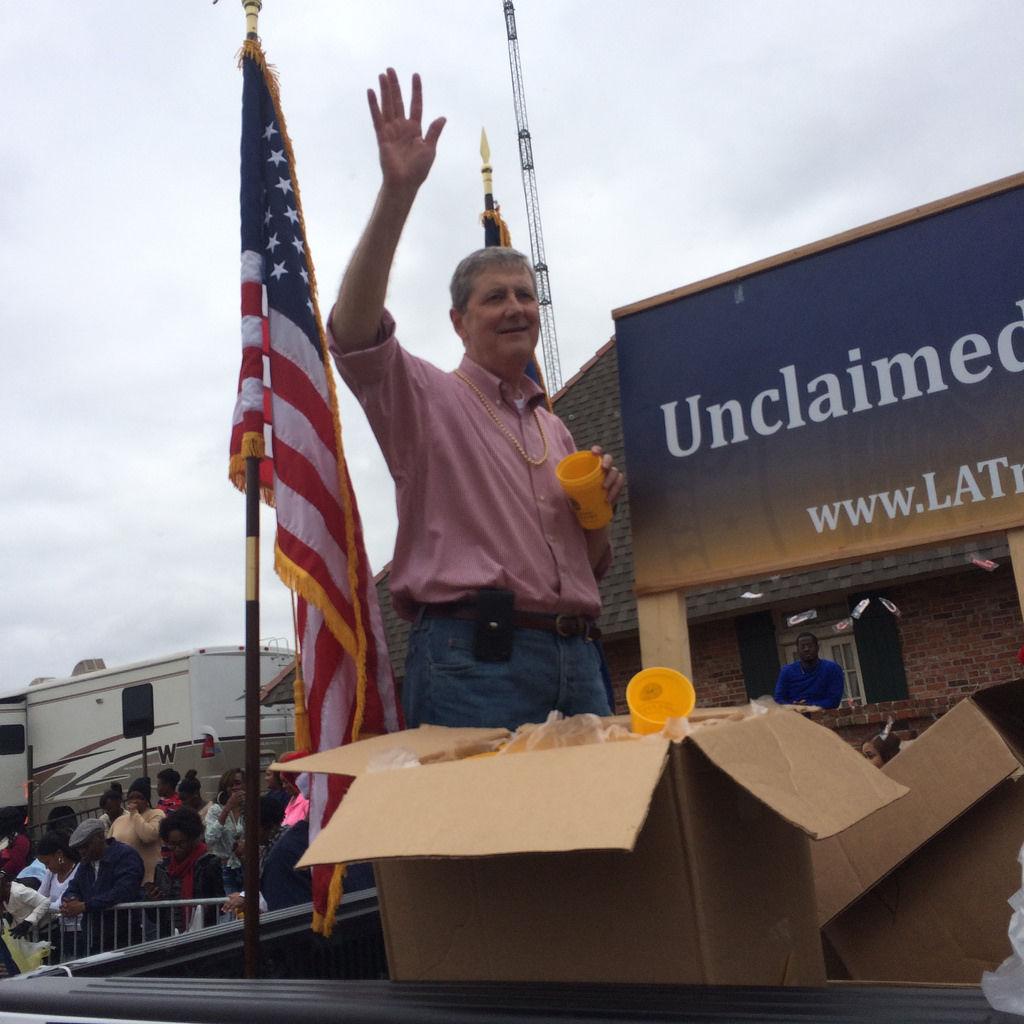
406,152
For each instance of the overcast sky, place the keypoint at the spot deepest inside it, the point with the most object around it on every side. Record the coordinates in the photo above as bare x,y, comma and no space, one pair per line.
673,140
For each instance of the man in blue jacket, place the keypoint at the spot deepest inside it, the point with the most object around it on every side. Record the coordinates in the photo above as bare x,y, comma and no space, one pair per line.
109,872
810,680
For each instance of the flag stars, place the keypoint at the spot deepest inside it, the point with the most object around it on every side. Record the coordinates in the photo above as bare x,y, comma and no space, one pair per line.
276,157
305,275
299,247
267,217
309,303
292,215
278,272
284,185
272,242
269,130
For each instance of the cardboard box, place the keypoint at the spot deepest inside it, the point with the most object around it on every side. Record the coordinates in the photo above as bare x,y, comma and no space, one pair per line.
635,861
919,894
942,916
954,764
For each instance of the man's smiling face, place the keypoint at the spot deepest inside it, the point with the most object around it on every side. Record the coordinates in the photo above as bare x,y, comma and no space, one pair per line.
500,324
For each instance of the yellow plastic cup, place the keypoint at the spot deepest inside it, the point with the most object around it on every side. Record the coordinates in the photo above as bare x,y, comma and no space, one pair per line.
582,479
657,694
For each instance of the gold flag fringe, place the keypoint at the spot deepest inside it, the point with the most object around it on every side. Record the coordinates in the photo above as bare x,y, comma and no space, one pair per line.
296,578
252,447
354,642
504,235
324,923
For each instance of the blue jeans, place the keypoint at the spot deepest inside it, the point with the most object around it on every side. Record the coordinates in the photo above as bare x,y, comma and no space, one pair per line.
445,684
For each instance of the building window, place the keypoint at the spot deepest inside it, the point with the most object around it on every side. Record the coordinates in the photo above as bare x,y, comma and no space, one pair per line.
844,654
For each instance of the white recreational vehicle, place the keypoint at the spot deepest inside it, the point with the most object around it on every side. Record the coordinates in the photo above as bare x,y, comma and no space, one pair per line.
63,741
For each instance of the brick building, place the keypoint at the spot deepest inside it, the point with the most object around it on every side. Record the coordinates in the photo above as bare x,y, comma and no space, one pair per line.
958,629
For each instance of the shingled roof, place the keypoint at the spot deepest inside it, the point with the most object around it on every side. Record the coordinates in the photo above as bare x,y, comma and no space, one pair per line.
589,406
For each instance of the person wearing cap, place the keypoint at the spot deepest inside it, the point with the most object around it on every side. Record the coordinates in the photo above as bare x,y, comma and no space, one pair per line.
109,872
139,826
490,564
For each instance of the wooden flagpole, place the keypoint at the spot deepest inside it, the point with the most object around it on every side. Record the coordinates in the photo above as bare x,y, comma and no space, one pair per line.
251,929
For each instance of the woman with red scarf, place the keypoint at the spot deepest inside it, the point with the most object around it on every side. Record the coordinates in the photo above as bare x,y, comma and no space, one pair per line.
191,872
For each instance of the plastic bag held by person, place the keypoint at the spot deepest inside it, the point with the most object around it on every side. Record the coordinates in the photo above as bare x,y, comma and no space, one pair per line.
25,954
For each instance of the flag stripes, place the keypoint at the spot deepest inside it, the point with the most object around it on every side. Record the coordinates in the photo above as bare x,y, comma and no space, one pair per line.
347,686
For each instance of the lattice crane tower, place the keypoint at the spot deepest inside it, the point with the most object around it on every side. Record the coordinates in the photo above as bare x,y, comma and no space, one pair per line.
548,338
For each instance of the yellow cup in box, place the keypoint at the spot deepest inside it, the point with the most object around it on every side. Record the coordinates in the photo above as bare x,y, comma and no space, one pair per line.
657,694
582,479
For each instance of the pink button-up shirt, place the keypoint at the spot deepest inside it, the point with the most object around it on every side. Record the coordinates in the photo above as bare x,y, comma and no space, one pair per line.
472,512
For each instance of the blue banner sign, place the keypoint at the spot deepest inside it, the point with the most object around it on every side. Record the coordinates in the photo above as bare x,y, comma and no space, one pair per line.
857,396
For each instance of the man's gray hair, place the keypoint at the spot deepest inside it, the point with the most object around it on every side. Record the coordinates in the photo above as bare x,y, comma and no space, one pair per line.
473,265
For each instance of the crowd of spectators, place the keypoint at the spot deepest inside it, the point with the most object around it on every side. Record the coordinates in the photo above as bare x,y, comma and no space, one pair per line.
185,848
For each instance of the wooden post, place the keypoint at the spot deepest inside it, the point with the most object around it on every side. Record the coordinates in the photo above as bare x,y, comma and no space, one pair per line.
664,634
1015,539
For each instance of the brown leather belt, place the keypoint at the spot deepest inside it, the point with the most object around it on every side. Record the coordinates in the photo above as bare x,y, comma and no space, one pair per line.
562,625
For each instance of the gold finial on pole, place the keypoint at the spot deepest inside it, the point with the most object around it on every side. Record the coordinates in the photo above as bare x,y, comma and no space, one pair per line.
252,17
485,155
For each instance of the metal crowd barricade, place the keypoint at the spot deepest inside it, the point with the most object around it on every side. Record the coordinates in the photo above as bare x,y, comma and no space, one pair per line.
126,924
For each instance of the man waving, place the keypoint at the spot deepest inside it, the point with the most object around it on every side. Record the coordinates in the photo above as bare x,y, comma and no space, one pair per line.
490,562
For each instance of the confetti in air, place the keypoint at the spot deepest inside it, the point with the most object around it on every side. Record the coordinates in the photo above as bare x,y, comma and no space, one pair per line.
801,617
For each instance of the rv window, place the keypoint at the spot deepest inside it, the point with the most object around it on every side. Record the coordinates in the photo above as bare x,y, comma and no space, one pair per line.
12,739
137,710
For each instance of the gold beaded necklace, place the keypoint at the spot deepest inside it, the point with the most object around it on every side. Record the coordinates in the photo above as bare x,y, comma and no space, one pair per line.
526,457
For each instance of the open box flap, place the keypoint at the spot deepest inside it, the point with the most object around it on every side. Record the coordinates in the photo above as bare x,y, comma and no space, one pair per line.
952,766
428,742
1004,705
801,770
576,798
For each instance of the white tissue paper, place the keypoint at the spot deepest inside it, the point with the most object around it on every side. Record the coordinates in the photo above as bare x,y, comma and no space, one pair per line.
1004,987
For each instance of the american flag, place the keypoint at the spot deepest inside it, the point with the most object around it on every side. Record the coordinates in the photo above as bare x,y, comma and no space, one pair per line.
286,386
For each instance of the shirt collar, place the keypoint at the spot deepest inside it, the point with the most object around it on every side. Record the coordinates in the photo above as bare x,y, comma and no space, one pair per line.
495,389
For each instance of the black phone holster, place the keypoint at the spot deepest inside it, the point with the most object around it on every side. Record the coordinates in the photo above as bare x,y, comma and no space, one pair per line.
495,625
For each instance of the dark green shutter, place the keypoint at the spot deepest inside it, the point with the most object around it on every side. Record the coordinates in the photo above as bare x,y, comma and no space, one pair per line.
759,654
878,648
